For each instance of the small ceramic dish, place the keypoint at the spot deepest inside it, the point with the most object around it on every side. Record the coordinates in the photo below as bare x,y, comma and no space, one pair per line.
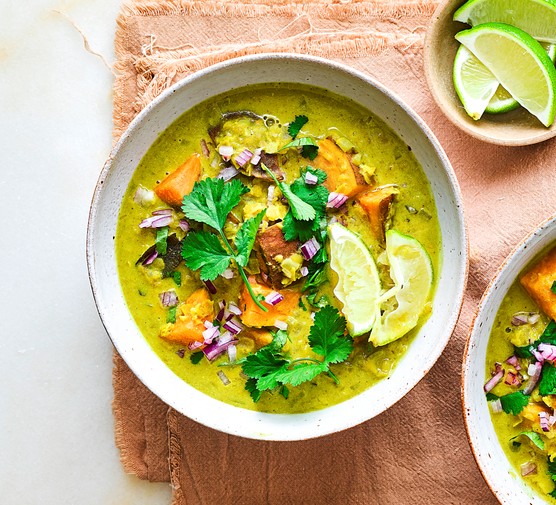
500,475
515,128
114,179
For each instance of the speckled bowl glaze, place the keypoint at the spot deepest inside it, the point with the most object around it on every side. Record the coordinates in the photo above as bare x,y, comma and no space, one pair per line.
504,481
516,128
116,174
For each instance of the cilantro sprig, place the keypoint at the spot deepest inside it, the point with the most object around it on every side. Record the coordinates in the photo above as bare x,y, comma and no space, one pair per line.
514,403
209,203
548,337
295,126
269,368
309,148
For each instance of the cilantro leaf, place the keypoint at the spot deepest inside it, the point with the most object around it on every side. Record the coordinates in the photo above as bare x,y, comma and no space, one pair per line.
491,397
161,241
548,335
278,340
553,287
310,151
254,391
533,436
300,373
296,125
196,357
285,392
514,403
318,275
547,383
263,363
552,468
177,277
300,142
327,335
171,316
203,250
211,201
294,229
245,237
553,492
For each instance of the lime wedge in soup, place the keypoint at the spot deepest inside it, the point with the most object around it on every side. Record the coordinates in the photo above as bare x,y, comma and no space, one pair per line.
358,286
536,17
411,271
519,63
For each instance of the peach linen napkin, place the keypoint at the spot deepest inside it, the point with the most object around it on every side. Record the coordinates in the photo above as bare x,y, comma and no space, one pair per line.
416,452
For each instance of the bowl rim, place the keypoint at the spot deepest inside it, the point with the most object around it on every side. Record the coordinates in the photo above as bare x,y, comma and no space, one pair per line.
462,238
473,332
431,79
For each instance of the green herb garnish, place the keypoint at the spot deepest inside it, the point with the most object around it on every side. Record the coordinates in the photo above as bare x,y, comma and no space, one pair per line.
177,277
514,403
295,126
209,203
161,241
533,436
548,337
553,287
552,468
171,316
309,148
196,357
268,368
547,383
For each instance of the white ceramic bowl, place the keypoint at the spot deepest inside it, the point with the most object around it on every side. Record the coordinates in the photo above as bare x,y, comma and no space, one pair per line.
113,182
509,488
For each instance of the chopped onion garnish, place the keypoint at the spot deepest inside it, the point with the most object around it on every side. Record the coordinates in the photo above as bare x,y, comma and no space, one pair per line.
528,468
232,327
151,258
304,271
184,225
162,212
210,334
168,298
234,309
281,325
538,356
228,273
520,318
543,420
223,377
244,157
336,200
311,179
256,156
270,194
232,354
493,381
156,221
548,351
210,286
227,173
533,317
215,349
512,360
273,298
310,248
194,345
220,315
208,324
226,152
512,379
534,371
143,196
496,406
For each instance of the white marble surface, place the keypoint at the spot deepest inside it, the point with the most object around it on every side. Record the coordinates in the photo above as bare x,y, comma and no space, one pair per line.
56,425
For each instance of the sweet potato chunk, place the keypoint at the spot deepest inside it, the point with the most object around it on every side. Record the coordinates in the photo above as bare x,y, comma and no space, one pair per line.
538,281
261,337
254,316
532,411
342,176
377,206
180,182
190,317
271,243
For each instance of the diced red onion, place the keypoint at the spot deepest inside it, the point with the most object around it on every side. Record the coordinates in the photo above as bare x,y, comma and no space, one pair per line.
151,258
270,194
543,420
281,325
223,377
493,381
336,200
215,349
533,317
210,334
538,356
234,309
210,286
244,157
232,354
534,371
143,196
528,468
162,212
227,315
273,298
194,345
520,318
232,327
256,156
168,298
311,179
496,406
304,271
552,420
310,248
204,148
228,273
512,360
512,379
184,225
155,222
547,351
220,315
227,173
226,152
208,324
222,304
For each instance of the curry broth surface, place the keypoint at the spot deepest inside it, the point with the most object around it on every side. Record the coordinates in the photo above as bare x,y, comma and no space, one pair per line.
394,163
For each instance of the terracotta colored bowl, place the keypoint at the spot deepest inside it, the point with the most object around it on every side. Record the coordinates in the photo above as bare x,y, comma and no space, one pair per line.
500,475
515,128
114,179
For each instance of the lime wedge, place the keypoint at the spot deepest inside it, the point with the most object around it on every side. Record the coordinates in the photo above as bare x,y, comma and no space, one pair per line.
475,84
411,271
536,17
358,286
519,63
